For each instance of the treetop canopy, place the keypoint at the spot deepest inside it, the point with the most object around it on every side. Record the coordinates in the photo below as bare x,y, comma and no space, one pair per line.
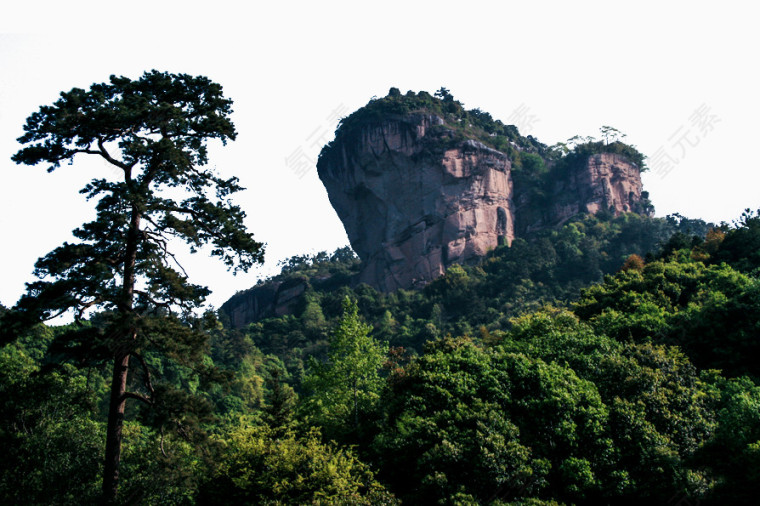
159,118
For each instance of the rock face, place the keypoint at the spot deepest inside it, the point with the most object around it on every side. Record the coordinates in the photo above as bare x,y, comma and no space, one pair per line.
415,197
413,203
265,300
605,182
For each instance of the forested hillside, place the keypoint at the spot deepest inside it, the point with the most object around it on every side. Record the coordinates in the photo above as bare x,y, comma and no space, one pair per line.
608,361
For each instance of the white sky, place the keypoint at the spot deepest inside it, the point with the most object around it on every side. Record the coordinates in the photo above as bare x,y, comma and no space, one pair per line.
568,67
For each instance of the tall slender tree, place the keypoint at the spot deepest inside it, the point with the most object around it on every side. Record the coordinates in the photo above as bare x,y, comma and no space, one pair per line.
153,131
349,383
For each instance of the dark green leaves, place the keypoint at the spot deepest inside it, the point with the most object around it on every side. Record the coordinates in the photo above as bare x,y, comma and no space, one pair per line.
154,131
137,115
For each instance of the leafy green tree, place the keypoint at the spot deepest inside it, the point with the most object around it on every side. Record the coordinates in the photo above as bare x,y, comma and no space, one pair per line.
349,383
611,133
493,424
51,443
312,318
733,454
153,134
563,420
280,399
741,246
659,410
162,468
444,94
447,430
711,312
386,327
259,465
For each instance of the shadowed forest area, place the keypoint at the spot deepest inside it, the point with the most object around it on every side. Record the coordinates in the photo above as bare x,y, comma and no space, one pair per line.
638,385
610,359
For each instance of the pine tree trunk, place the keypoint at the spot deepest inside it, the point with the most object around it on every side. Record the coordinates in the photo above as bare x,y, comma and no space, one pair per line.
114,429
121,367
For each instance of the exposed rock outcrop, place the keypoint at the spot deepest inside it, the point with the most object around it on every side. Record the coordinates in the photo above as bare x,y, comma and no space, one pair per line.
274,298
416,196
604,182
414,200
609,181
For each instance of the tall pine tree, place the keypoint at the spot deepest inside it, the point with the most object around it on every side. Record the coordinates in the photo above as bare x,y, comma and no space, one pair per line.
153,133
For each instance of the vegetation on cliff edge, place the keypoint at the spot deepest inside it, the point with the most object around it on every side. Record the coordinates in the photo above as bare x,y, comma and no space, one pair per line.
481,126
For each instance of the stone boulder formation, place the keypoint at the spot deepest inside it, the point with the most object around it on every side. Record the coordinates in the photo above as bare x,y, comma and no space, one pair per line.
416,195
412,205
262,301
603,182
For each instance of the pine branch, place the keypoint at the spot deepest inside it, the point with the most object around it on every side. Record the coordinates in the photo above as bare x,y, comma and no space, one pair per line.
146,379
105,154
139,397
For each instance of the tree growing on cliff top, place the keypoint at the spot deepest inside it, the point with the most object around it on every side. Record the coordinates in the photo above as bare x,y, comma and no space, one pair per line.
611,134
153,133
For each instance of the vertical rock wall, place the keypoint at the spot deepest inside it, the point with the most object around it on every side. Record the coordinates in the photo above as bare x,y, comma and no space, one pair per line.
416,197
414,202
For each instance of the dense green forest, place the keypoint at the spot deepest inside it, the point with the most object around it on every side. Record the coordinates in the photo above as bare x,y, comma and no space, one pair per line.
609,361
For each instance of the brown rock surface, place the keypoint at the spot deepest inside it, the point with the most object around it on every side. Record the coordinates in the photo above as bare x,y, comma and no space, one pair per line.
414,201
606,182
609,181
266,300
416,197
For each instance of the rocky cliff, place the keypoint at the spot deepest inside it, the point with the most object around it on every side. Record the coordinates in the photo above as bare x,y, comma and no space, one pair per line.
275,298
597,182
417,192
413,203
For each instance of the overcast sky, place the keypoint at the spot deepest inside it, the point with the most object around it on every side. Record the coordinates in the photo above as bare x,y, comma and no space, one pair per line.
680,79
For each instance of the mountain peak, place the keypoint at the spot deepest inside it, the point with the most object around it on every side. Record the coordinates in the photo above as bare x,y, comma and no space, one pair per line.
421,184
